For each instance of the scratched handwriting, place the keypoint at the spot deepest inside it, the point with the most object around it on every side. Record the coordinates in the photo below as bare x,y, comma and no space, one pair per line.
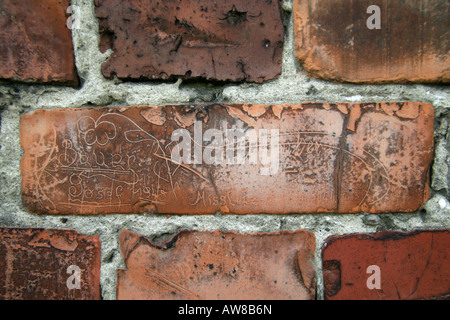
112,162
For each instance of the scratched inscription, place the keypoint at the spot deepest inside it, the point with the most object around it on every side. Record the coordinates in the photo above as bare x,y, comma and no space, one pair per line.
307,158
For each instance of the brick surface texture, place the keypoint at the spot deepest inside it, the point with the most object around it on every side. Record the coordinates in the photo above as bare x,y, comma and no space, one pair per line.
35,264
218,266
329,158
220,40
412,266
35,44
333,42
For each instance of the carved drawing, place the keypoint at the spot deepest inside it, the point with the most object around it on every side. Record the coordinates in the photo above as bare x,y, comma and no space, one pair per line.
324,159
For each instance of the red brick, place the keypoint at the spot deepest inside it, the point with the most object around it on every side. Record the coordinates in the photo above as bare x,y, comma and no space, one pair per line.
333,42
218,266
35,265
411,265
35,44
220,40
393,144
332,158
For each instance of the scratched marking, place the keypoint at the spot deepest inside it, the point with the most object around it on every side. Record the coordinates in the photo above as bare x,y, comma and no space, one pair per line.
112,162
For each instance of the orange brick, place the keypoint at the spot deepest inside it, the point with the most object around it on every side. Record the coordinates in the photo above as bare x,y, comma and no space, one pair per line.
217,265
333,41
317,158
35,44
38,264
387,266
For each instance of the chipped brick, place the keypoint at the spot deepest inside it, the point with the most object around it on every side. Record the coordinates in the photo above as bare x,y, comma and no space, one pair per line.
35,44
37,264
333,41
412,266
220,40
218,266
342,158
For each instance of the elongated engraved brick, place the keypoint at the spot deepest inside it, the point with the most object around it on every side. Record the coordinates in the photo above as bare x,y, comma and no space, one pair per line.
373,41
387,266
218,266
48,265
241,159
35,44
214,40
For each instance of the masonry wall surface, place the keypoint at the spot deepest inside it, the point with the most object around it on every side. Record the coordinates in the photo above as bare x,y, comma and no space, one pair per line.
293,86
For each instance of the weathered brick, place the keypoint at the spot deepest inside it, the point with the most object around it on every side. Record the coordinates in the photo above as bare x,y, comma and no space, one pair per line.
328,158
220,40
333,41
35,44
38,264
410,266
218,266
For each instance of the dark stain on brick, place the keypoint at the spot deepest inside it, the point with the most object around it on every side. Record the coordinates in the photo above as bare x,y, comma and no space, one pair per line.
234,17
331,277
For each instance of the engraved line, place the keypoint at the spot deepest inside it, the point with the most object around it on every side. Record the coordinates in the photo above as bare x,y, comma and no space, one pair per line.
95,204
170,283
44,167
182,165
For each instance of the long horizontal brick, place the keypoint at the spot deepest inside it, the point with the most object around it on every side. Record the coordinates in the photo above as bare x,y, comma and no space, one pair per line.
35,44
334,42
344,158
218,266
387,266
215,40
38,264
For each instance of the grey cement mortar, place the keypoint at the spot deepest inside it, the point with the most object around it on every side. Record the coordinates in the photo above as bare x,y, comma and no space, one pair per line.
293,86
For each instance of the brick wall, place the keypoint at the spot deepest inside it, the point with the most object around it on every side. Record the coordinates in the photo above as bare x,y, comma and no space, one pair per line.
334,187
